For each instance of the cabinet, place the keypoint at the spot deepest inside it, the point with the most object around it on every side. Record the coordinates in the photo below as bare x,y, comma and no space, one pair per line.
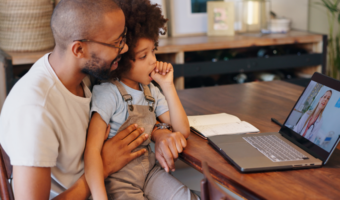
172,49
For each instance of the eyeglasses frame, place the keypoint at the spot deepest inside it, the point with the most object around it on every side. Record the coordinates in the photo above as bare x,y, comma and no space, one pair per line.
121,44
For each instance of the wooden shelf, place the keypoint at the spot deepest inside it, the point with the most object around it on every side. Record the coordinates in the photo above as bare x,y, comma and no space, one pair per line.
23,58
172,49
201,43
247,65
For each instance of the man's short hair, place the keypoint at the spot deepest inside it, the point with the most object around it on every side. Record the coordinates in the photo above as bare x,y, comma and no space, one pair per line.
78,19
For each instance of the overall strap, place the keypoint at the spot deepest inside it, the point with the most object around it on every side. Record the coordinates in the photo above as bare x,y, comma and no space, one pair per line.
127,97
148,96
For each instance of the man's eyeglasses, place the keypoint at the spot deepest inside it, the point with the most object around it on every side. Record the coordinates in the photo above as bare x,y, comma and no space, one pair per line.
120,46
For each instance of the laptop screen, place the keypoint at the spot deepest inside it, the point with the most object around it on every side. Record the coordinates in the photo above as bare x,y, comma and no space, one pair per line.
315,117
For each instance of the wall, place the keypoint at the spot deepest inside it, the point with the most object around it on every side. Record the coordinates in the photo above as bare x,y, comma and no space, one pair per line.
306,14
296,10
318,21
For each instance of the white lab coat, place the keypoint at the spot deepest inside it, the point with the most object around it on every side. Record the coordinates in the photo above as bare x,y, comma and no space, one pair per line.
313,129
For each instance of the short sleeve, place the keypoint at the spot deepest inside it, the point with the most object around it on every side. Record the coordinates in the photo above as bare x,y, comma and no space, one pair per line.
104,101
161,103
31,138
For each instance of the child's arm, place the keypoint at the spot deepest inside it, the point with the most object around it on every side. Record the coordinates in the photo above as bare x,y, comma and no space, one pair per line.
97,133
176,115
169,144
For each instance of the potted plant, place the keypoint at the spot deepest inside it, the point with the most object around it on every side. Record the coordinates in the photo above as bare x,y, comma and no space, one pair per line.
333,14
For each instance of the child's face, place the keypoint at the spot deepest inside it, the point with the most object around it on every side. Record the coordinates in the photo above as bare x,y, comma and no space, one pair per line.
144,64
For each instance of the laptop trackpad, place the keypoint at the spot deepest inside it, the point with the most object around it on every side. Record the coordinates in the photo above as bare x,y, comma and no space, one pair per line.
240,150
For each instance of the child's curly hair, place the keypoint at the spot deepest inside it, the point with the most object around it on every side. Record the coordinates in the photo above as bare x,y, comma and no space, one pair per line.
143,20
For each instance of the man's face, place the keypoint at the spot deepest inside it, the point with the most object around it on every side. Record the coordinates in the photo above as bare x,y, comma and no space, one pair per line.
97,68
103,58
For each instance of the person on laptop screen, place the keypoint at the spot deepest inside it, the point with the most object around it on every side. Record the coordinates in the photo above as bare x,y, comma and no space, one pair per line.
316,115
311,122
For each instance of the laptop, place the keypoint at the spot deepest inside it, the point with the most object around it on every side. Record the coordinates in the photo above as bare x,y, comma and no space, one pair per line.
307,138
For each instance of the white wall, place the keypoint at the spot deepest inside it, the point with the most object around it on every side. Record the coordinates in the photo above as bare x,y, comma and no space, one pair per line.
318,21
296,10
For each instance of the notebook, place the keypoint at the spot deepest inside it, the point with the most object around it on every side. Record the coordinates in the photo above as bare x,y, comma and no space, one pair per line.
307,138
219,124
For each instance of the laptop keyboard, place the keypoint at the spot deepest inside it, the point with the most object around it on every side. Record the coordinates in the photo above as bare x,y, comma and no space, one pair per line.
274,148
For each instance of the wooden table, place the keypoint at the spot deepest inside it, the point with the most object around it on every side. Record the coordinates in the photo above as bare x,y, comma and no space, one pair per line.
256,103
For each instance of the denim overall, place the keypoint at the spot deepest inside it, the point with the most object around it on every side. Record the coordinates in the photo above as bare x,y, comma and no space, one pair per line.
143,178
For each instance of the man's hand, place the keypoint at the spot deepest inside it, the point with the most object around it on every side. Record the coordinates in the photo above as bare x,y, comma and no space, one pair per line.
167,147
117,151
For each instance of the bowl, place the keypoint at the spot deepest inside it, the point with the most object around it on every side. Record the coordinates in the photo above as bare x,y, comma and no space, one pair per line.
279,25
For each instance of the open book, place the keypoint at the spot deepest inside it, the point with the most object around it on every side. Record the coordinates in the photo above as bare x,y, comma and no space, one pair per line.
219,124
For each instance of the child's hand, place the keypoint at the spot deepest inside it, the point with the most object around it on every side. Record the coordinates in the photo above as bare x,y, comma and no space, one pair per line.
167,147
163,74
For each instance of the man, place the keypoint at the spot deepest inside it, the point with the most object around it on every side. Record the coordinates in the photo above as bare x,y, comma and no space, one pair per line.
45,117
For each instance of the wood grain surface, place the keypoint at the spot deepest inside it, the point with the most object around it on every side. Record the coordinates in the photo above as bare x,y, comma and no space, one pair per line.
201,43
256,103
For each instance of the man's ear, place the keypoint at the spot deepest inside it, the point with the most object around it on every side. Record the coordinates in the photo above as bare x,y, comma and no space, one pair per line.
78,49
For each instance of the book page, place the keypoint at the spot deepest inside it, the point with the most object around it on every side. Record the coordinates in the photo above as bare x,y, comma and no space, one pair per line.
227,129
203,120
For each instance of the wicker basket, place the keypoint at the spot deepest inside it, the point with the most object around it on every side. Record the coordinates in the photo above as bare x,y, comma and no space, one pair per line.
25,25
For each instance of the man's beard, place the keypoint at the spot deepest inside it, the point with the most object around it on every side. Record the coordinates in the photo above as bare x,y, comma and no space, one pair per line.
98,68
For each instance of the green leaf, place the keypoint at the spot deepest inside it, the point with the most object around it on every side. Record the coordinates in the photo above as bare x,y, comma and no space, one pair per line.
337,54
335,5
330,6
339,18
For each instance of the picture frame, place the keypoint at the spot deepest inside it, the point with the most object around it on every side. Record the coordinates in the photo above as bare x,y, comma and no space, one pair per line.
162,4
221,18
182,21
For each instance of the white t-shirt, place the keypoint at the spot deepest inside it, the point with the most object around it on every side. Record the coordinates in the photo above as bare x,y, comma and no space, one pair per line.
43,124
109,104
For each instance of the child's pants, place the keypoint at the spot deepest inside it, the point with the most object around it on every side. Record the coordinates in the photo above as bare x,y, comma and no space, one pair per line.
143,179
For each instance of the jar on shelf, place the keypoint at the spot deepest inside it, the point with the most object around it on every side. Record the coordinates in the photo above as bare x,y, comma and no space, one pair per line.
252,15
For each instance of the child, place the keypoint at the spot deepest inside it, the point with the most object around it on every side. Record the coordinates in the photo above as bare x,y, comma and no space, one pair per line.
131,98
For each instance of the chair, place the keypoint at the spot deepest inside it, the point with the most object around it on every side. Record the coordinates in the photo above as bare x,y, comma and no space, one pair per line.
211,191
6,75
6,169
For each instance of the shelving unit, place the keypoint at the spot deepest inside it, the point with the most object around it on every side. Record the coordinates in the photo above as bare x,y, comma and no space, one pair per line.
172,49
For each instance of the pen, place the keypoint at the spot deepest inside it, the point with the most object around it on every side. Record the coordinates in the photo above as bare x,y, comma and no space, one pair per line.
276,122
197,132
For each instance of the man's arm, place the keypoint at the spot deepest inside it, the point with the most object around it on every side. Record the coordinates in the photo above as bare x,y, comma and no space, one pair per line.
35,182
31,182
